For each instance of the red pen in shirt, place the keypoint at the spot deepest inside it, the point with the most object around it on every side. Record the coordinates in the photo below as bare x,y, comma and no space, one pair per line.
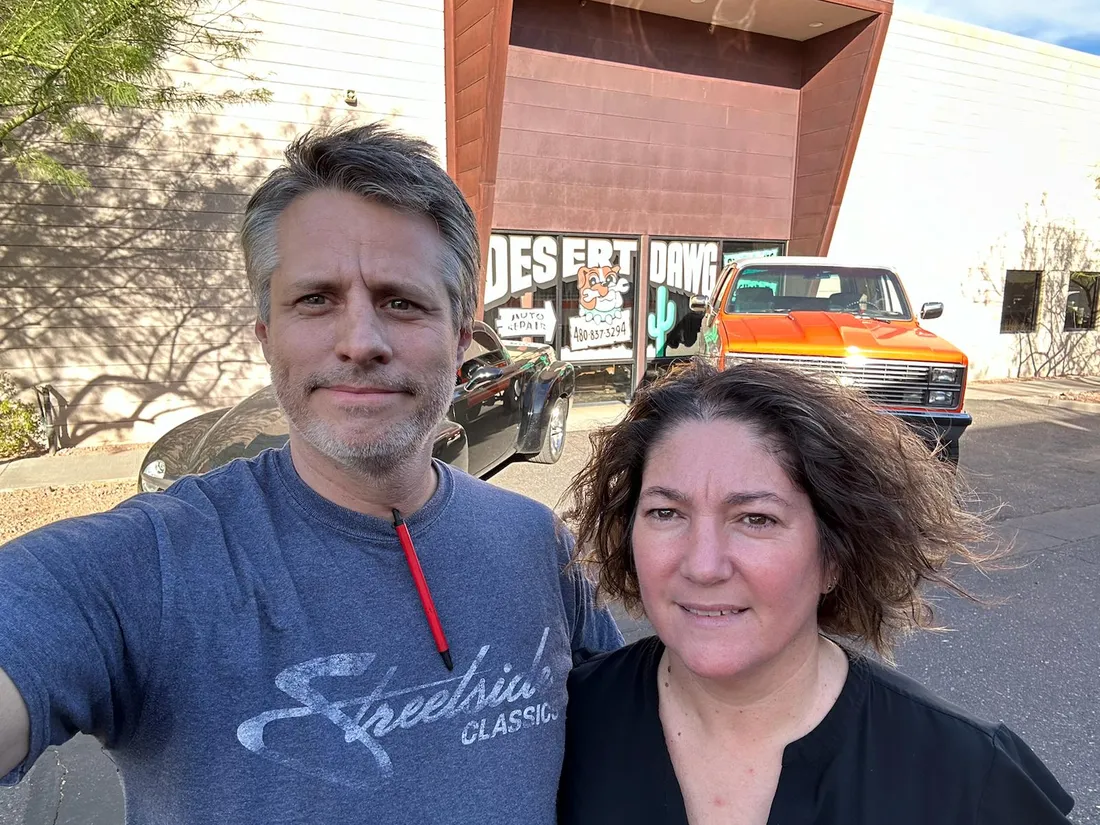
422,589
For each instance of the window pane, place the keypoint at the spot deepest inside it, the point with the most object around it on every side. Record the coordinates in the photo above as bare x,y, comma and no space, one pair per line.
1081,301
1020,308
817,288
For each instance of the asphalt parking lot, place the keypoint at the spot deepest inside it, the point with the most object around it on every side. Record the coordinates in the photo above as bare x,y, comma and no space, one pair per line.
1030,658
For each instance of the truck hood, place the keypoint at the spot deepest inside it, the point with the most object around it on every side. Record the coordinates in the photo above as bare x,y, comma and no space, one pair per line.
836,334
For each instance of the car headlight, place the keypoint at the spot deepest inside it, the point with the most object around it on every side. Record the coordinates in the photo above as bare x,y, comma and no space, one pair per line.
153,479
950,376
943,398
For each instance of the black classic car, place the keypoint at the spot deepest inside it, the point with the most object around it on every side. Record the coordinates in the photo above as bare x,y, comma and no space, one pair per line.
510,399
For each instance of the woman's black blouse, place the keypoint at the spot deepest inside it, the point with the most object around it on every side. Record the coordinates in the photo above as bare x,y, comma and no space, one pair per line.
888,753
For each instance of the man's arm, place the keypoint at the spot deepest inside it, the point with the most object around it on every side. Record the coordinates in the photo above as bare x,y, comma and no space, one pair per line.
592,628
80,620
15,726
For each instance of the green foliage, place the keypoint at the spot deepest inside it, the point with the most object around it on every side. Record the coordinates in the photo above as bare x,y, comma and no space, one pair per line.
58,57
21,429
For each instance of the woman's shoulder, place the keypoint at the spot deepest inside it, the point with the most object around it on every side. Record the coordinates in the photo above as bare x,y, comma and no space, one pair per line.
890,689
944,738
617,675
899,708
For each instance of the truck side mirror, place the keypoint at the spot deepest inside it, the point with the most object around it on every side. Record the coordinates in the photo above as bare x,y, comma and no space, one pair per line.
933,309
697,303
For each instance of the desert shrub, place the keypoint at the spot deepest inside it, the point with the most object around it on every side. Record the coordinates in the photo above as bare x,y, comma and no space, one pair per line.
21,429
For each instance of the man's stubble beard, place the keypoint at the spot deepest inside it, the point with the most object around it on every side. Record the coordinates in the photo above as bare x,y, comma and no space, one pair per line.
385,451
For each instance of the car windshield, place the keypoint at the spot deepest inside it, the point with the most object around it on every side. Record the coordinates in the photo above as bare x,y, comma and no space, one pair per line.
817,288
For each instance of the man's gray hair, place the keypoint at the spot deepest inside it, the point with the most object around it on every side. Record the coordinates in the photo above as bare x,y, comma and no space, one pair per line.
382,165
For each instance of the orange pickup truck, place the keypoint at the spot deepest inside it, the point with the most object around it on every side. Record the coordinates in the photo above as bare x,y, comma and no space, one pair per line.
851,322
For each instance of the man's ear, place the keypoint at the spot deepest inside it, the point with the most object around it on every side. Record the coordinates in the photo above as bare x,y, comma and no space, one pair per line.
465,336
261,336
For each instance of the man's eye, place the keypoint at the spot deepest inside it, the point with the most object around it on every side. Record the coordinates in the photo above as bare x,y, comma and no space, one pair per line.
312,300
662,513
400,304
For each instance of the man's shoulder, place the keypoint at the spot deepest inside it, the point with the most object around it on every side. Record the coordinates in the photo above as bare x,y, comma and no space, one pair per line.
488,501
235,484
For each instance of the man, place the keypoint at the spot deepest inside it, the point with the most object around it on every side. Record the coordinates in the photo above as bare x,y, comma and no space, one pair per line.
251,645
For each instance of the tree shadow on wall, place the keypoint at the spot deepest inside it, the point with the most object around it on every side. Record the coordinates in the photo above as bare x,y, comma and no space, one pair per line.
1059,250
130,298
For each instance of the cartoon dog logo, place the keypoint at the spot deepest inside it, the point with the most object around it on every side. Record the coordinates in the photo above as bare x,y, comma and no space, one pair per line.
601,292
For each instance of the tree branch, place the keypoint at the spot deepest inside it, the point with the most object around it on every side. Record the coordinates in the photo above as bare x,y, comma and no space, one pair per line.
14,123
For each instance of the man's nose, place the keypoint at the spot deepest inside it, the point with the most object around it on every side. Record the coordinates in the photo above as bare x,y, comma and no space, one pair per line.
706,559
362,335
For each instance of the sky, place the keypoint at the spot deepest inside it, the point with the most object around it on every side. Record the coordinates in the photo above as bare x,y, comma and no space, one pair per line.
1072,23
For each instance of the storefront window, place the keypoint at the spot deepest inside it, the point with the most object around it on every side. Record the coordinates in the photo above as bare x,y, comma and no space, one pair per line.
575,293
680,269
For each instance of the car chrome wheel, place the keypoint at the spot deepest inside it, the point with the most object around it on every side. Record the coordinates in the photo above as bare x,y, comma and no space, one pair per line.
557,426
553,437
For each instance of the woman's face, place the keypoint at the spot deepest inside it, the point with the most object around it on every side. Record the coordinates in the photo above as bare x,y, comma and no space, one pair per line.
726,550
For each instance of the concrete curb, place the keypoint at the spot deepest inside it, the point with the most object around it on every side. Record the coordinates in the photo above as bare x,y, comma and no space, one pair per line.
70,469
1037,400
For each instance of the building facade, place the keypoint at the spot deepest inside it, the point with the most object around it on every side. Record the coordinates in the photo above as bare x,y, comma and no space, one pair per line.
130,299
616,158
976,176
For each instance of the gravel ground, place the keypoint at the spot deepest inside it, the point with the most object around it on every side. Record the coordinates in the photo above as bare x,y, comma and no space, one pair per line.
23,510
1091,397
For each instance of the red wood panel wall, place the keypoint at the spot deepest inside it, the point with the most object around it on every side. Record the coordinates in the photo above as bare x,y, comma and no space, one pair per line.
476,33
837,75
622,121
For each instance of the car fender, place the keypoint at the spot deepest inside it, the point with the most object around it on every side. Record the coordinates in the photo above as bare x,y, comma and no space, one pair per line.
451,445
177,446
554,382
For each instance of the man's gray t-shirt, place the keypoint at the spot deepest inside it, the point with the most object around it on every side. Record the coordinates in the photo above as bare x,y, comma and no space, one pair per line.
252,653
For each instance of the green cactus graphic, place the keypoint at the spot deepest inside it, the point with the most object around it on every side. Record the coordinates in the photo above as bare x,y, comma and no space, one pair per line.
661,322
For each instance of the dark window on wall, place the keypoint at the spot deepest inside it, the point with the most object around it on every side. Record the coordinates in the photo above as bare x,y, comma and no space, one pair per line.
1082,301
1020,310
739,250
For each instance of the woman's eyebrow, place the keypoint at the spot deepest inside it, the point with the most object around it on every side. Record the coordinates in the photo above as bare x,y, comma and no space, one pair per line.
734,499
664,492
731,500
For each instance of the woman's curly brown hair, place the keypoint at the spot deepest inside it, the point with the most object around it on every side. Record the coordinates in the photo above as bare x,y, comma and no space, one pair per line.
889,514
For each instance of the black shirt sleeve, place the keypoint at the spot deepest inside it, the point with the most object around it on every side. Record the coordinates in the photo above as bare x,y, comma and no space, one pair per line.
1019,788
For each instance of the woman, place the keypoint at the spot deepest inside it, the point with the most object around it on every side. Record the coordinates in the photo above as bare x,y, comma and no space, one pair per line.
769,525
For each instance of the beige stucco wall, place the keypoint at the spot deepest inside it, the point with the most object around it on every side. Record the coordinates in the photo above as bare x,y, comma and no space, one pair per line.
130,297
979,154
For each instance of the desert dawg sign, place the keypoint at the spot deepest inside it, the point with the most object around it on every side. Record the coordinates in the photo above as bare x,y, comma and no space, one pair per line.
598,324
689,267
522,263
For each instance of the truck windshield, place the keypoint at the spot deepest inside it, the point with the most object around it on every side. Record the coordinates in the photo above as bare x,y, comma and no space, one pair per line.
814,288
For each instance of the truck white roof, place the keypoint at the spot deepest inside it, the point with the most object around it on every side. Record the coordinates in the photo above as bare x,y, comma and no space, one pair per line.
809,260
